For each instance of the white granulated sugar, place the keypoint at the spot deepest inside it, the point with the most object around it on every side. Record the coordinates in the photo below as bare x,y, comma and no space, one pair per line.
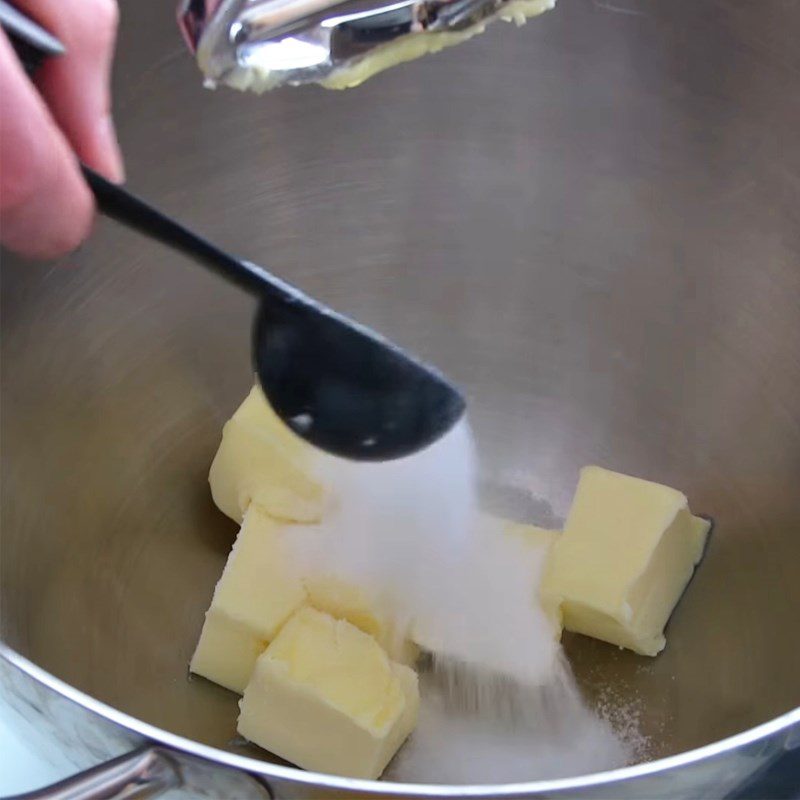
498,700
409,533
551,735
625,715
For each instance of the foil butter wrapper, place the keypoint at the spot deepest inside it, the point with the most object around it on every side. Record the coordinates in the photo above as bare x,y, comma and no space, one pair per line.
258,45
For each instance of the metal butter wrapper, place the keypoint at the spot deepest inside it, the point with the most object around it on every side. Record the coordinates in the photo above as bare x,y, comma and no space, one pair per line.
258,45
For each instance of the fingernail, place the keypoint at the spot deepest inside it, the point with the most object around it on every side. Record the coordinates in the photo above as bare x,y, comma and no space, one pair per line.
109,147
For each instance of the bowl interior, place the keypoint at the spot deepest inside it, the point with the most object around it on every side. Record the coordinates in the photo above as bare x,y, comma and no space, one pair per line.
591,224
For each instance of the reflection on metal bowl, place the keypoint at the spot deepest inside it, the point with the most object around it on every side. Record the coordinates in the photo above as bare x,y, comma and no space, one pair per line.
590,223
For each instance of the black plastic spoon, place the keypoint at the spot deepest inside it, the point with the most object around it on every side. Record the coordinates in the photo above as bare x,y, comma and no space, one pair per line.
337,384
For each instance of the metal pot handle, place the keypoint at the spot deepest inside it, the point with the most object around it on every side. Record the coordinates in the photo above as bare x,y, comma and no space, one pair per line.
145,772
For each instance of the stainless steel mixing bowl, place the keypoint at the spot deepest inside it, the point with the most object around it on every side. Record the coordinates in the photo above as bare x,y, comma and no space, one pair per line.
593,224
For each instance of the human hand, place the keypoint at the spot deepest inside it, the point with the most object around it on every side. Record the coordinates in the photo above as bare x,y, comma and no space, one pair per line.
46,209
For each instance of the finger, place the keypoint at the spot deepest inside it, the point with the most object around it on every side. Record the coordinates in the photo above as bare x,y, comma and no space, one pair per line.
77,85
46,208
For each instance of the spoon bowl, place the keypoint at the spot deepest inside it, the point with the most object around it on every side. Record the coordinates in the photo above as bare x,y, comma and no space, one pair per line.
344,388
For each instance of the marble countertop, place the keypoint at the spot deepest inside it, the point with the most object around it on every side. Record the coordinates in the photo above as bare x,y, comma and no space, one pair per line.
26,764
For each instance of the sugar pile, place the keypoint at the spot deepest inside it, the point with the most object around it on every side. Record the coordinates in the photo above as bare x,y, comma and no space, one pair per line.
552,734
498,699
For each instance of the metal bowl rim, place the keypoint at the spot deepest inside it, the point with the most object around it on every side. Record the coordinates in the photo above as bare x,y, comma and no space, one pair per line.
266,769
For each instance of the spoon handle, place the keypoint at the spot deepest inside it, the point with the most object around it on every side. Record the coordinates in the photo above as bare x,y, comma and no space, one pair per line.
120,204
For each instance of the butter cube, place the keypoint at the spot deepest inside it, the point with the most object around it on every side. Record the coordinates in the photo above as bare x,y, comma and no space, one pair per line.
227,651
537,543
325,696
533,536
257,593
345,601
261,461
628,550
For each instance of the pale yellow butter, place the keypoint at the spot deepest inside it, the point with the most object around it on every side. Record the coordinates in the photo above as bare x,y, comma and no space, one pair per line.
344,600
226,652
261,461
325,696
532,535
538,542
628,550
257,593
